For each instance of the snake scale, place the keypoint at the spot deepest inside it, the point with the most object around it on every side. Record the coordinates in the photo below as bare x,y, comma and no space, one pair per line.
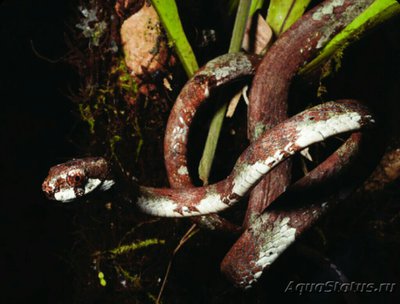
274,142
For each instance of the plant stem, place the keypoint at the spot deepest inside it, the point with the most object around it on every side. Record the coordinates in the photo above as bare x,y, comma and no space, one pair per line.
239,27
242,15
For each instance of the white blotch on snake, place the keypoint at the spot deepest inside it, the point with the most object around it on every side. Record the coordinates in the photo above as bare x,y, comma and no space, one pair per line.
158,206
211,203
65,195
326,10
320,130
183,170
92,183
206,92
107,184
180,131
275,241
250,173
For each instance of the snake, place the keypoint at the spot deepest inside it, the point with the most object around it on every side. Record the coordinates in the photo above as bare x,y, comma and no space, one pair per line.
262,241
74,179
79,177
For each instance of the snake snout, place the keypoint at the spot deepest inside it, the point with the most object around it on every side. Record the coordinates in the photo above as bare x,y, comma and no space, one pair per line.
48,190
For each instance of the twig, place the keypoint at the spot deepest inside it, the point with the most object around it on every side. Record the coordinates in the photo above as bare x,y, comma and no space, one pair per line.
43,57
192,231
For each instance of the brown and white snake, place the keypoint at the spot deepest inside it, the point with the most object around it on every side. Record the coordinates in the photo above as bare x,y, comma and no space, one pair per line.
271,233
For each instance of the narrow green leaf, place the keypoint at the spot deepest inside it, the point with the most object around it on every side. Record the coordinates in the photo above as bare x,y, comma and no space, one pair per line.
232,6
379,12
283,13
168,12
255,5
239,27
211,143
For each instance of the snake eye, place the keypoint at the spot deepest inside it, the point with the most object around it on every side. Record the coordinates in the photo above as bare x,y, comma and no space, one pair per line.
76,179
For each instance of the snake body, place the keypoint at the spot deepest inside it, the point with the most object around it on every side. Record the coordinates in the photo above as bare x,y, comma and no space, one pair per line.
216,73
269,91
68,181
269,94
274,230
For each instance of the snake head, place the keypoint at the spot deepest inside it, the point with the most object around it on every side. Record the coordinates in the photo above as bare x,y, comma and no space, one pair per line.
76,178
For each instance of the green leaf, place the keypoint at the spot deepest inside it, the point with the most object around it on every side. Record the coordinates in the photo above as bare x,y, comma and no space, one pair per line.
232,6
168,12
211,143
283,13
239,27
377,13
256,5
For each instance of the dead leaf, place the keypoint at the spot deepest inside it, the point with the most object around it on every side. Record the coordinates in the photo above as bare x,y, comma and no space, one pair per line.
257,36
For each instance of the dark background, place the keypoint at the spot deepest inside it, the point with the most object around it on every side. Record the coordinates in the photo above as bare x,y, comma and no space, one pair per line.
36,118
38,125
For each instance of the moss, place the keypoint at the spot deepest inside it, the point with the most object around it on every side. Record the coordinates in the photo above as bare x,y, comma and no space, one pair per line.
87,116
125,81
134,279
125,249
140,142
332,66
115,139
108,108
